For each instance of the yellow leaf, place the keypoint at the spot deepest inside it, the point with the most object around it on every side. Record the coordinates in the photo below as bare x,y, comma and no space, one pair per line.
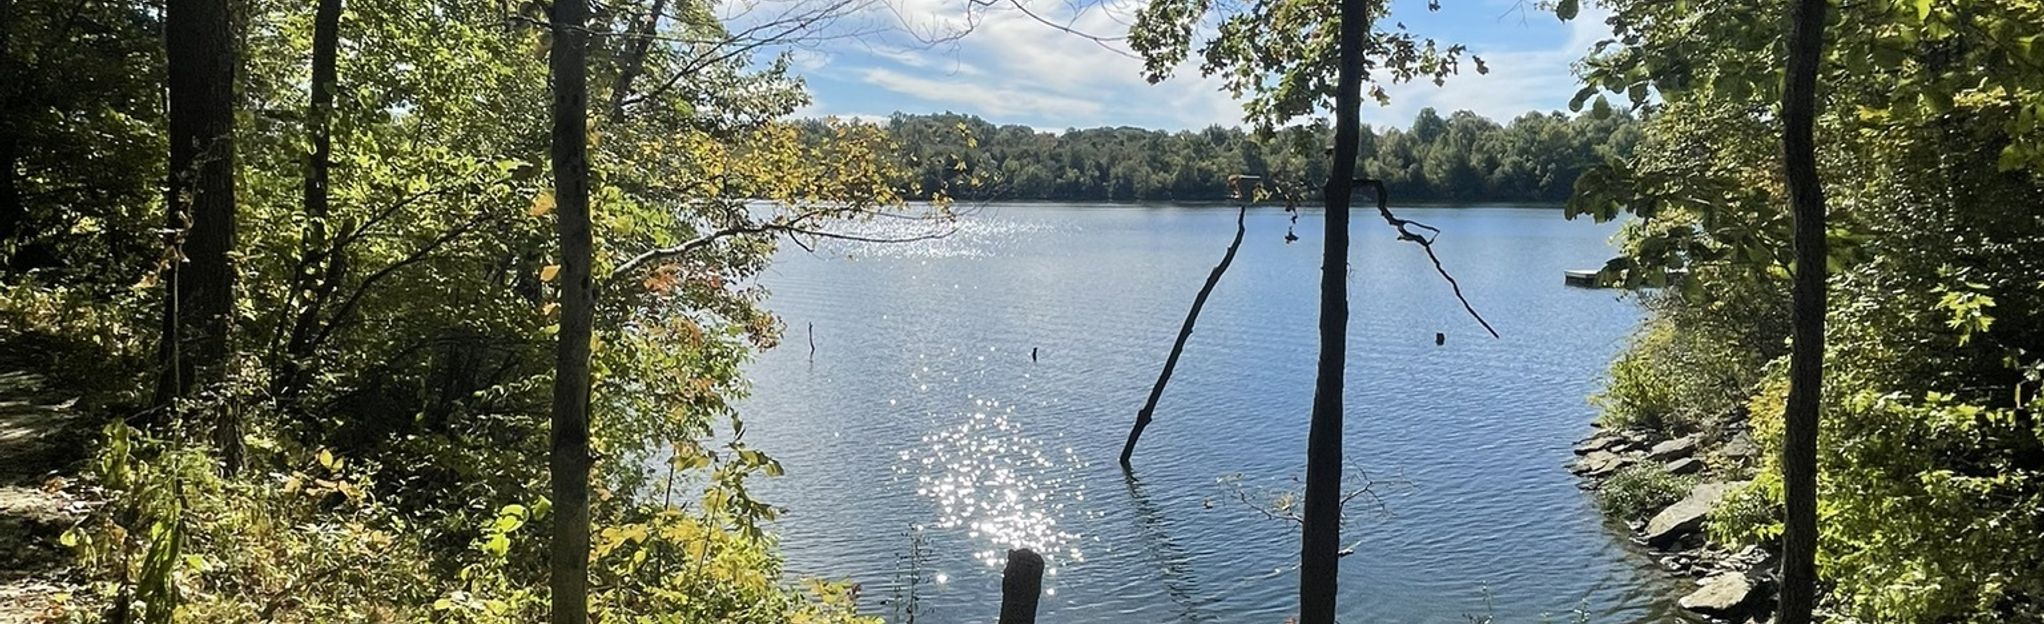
541,204
326,458
547,273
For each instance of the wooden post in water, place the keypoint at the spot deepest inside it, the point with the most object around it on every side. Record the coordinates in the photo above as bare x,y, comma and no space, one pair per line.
1021,584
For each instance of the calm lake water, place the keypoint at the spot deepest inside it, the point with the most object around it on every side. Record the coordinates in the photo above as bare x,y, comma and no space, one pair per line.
922,412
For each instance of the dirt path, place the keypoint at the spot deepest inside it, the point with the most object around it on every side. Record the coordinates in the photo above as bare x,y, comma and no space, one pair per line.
41,443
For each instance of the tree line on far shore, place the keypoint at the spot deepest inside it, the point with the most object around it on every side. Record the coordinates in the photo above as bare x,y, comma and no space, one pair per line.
1462,156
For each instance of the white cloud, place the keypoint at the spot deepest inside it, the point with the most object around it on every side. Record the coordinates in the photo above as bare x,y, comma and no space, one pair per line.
993,101
1012,68
1519,80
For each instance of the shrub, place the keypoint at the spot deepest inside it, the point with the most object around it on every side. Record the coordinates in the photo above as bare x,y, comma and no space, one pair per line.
1639,490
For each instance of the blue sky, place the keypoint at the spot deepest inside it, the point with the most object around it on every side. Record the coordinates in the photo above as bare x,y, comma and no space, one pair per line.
1012,69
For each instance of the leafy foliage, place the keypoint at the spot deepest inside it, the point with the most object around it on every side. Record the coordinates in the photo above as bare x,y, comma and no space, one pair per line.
392,355
1637,491
1924,146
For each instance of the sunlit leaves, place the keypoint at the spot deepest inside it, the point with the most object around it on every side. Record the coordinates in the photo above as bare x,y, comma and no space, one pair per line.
1278,57
542,204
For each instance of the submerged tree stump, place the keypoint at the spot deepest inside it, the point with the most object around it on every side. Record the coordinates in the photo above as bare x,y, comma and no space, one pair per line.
1021,584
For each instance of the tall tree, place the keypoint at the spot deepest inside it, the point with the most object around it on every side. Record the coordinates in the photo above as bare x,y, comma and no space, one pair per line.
1320,537
319,266
1806,361
199,48
1287,38
13,214
570,458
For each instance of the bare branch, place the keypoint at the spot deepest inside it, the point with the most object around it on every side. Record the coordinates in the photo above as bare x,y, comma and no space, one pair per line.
792,228
1425,241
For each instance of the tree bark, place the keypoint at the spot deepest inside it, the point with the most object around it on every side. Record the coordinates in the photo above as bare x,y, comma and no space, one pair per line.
311,285
1021,587
1128,449
569,463
199,48
1320,539
13,213
1806,359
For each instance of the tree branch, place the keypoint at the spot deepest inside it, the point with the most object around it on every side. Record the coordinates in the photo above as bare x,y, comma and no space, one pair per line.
1135,433
1425,241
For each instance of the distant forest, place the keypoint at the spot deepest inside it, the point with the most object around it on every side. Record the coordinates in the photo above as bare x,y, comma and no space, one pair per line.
1461,157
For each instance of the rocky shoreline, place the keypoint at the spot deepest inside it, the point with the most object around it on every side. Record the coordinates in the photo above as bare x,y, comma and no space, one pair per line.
1732,585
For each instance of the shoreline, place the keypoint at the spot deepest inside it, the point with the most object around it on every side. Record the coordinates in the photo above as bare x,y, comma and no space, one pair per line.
1730,584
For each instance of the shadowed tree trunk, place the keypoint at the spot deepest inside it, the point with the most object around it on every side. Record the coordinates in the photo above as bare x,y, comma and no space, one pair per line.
199,49
569,461
13,213
1806,361
311,285
1320,539
1135,433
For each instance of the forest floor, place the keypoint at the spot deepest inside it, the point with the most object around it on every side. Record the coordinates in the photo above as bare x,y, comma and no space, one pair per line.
42,441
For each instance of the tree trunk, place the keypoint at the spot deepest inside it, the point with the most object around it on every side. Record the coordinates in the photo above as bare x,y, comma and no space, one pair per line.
570,459
1806,360
199,48
311,284
13,213
1128,449
1320,539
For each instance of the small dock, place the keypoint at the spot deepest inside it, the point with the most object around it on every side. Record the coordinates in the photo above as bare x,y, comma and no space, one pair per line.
1584,278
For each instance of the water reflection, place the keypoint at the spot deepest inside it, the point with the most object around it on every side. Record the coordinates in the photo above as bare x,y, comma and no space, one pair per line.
1004,488
1172,563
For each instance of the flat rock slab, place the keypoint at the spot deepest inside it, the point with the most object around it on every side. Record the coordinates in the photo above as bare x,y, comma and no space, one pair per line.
1726,595
1740,448
1599,442
1600,463
1685,466
1677,448
1687,515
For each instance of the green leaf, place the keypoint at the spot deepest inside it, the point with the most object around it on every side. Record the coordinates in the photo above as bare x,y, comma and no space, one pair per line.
1575,104
1567,9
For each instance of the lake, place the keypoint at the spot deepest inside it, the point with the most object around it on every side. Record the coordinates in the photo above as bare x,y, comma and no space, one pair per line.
921,440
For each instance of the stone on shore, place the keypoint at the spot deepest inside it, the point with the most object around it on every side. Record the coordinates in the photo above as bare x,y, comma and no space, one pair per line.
1677,448
1685,466
1599,442
1740,448
1687,515
1600,463
1726,595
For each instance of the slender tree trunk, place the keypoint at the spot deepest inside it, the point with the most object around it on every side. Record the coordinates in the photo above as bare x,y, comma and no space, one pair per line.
199,48
1320,539
570,458
13,213
326,36
1806,360
1128,449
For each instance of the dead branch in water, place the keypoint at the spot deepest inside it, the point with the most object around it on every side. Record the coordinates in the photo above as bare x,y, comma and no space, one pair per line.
1178,347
